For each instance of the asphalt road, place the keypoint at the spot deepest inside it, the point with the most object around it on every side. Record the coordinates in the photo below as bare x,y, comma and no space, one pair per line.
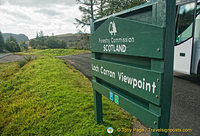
4,54
185,109
80,62
9,57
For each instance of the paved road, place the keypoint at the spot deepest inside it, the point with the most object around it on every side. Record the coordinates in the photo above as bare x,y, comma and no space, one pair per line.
80,62
185,111
12,58
4,54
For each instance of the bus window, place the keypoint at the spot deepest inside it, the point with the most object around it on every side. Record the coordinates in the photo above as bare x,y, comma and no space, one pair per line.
198,9
184,22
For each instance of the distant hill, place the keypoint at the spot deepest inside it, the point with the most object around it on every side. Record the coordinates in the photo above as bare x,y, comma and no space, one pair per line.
18,37
75,41
78,41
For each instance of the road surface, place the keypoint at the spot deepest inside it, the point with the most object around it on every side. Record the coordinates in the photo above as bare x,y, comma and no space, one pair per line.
185,109
12,58
80,62
4,54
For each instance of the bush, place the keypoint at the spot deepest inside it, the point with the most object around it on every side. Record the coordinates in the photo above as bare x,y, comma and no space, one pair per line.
12,45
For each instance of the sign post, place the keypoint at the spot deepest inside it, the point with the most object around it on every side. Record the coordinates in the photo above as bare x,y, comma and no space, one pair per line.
132,62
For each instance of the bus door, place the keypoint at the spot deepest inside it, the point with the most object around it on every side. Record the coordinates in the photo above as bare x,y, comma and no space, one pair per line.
196,46
184,38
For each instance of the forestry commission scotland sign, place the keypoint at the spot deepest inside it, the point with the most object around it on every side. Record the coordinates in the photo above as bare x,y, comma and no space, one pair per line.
132,62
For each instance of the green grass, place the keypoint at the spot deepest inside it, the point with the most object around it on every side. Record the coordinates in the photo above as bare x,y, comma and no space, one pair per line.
7,69
47,97
53,52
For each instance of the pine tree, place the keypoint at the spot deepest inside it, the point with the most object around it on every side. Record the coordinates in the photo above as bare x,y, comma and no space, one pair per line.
94,9
101,6
87,9
114,6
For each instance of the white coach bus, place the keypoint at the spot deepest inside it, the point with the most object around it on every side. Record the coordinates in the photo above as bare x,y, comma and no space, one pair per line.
187,46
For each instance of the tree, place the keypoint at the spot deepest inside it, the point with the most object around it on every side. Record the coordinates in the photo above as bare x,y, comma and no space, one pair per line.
12,45
87,9
37,35
44,42
41,34
1,42
51,42
32,43
101,6
94,9
39,41
23,45
84,41
113,6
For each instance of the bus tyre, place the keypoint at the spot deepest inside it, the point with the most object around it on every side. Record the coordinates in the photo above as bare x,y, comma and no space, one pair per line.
198,70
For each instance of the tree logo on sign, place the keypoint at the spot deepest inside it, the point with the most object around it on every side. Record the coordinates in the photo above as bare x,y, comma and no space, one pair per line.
112,28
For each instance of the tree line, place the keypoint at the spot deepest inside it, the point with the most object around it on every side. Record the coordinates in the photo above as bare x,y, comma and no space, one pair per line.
10,44
53,42
46,42
95,9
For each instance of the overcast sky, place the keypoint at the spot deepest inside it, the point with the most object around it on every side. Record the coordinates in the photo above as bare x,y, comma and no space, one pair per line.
31,16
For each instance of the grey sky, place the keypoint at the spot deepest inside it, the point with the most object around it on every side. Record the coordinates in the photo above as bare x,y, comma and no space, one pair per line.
49,12
38,3
31,16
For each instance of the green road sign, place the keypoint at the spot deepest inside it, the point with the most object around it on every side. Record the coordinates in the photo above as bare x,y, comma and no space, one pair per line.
132,62
129,38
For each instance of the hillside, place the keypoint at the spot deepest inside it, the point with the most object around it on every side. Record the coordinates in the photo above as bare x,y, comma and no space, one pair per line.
80,41
69,36
18,37
71,41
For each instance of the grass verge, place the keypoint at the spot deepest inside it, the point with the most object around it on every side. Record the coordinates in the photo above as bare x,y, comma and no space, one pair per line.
7,69
53,52
46,97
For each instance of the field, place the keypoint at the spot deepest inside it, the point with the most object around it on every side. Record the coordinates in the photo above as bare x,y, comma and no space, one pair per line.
49,97
53,52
